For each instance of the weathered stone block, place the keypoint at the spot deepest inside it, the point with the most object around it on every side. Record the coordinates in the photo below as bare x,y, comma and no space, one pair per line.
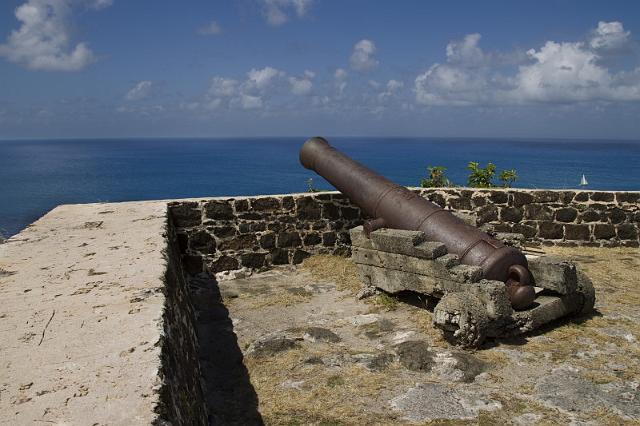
627,231
602,196
330,211
550,230
329,238
299,255
527,230
487,214
436,198
461,203
545,196
465,273
265,204
576,232
466,217
604,231
566,197
538,212
498,197
253,260
511,214
399,262
224,231
241,242
268,240
312,238
617,215
590,215
479,200
288,203
257,226
566,214
280,256
581,196
628,197
288,239
448,260
218,210
308,208
202,241
396,240
393,281
223,263
553,273
241,205
522,198
186,214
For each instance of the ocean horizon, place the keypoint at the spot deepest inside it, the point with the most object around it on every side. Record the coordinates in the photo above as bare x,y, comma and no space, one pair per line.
38,174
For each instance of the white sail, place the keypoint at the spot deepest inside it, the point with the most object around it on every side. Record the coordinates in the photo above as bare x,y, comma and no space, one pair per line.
583,181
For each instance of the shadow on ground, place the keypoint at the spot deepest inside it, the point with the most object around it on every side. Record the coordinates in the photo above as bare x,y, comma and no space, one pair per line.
231,398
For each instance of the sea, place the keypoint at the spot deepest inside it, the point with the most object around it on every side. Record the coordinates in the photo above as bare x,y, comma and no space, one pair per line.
37,175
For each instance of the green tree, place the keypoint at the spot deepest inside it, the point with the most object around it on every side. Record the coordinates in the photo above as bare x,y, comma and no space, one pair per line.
480,177
436,178
508,177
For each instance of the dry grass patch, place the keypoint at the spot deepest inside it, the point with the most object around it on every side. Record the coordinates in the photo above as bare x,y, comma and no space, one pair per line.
292,392
340,270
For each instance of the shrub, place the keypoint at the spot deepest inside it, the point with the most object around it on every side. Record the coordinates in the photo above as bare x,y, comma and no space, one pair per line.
482,177
436,178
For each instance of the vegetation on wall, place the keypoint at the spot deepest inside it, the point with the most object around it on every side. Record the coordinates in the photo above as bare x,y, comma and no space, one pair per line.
479,177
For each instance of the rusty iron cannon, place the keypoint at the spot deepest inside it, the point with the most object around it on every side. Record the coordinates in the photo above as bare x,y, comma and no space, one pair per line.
393,206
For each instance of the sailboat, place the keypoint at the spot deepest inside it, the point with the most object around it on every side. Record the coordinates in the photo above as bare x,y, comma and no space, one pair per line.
583,181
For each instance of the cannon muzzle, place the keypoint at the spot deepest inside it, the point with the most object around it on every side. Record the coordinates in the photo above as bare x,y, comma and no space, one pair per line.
393,206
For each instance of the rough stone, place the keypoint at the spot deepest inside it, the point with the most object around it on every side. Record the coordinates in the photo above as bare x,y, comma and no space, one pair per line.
576,232
299,256
590,215
288,240
241,205
241,242
253,260
330,211
566,214
498,197
265,204
308,209
628,197
538,212
553,273
627,231
461,203
604,231
602,196
218,210
224,231
202,241
487,214
268,240
186,214
271,346
581,196
522,198
511,214
223,263
550,230
415,355
617,215
545,196
328,238
280,256
312,238
319,334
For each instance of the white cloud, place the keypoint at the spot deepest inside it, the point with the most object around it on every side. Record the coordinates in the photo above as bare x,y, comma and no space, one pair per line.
362,57
557,72
340,74
264,78
223,87
43,41
141,90
302,86
211,28
250,102
277,11
609,36
466,51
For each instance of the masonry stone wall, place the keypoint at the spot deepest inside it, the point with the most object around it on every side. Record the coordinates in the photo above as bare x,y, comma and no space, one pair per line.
219,234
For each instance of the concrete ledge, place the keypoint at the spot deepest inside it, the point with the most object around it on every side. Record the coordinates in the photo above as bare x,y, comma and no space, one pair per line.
92,315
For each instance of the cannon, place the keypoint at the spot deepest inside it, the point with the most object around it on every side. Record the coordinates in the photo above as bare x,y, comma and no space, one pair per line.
393,206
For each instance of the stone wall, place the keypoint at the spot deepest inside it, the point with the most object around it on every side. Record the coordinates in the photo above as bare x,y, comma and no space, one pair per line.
219,234
182,400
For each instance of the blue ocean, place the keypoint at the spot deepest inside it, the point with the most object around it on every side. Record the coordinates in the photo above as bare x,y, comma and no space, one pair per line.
37,175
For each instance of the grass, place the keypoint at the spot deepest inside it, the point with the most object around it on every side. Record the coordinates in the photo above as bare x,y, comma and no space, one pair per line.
385,301
340,270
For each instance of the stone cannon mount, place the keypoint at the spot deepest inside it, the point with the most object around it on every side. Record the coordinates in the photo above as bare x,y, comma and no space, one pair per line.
470,308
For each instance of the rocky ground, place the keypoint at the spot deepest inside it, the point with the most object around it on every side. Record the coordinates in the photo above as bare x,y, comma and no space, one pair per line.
295,346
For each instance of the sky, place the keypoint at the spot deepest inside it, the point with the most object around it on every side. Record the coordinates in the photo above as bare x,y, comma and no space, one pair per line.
244,68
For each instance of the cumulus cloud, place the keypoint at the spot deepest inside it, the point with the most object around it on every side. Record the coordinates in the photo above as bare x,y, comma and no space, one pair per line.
557,72
362,59
141,90
264,78
609,36
302,86
43,41
277,12
250,102
210,29
223,87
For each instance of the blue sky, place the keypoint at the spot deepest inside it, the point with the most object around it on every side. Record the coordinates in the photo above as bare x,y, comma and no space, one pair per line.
116,68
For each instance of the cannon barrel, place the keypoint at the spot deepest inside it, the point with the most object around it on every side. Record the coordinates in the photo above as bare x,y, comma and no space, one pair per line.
394,206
